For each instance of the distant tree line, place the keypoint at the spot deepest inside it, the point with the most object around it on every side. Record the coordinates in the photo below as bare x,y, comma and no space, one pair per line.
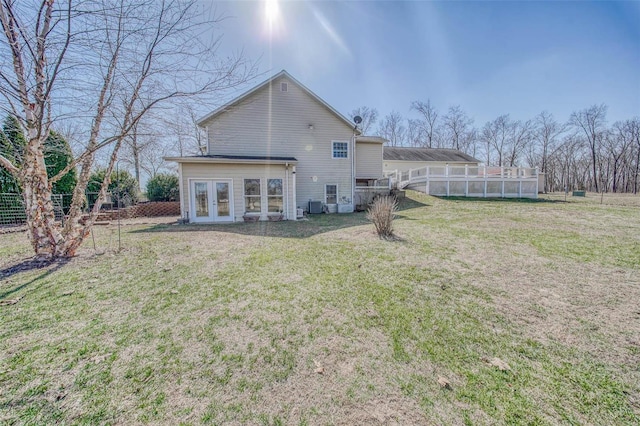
585,152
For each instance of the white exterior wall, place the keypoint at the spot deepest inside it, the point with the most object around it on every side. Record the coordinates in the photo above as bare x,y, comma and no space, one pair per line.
403,166
275,123
368,160
237,173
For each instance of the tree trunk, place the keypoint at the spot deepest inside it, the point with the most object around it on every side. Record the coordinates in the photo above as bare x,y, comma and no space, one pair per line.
44,233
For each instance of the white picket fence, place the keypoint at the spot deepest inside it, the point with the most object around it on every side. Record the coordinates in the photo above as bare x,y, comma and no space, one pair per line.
469,181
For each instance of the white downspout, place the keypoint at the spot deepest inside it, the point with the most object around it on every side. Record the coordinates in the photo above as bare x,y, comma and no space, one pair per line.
353,171
286,192
293,184
182,193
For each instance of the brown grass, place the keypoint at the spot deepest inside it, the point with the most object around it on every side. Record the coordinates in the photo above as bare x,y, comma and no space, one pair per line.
229,324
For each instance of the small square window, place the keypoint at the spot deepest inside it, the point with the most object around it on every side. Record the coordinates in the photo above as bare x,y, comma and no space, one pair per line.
284,87
340,150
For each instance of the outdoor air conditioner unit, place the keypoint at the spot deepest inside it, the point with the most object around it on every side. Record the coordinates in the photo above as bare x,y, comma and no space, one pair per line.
299,213
315,207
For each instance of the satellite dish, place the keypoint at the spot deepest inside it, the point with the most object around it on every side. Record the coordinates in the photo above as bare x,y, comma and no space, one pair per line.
357,119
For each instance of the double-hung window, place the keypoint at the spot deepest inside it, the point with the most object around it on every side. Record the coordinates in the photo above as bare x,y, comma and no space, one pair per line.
274,195
339,149
252,196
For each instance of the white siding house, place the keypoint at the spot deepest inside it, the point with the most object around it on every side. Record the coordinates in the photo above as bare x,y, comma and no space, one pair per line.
274,149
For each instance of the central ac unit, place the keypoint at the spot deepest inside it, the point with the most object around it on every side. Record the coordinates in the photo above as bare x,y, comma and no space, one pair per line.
315,207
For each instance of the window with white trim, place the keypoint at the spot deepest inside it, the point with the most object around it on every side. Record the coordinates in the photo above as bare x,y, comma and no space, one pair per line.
331,194
252,196
274,196
339,149
284,87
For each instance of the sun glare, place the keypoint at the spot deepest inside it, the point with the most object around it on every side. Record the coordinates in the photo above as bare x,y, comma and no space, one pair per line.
271,11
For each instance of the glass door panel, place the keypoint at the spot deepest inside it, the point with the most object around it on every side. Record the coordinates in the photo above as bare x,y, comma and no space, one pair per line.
222,196
201,196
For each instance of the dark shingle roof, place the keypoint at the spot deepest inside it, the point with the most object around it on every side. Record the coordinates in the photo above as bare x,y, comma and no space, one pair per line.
426,154
247,157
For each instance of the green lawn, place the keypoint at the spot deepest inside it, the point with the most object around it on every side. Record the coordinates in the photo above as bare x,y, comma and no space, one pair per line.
321,322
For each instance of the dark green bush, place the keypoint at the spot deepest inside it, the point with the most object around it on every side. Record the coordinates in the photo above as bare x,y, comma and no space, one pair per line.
163,187
123,187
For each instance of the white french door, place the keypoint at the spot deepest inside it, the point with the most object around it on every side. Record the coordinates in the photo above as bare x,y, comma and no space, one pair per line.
211,200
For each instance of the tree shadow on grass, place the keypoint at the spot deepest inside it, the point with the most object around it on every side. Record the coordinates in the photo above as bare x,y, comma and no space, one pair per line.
27,265
312,225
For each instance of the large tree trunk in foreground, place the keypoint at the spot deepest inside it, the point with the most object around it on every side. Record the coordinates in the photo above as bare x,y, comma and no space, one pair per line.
44,233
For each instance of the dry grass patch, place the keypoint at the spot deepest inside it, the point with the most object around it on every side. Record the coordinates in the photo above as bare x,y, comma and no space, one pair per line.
320,322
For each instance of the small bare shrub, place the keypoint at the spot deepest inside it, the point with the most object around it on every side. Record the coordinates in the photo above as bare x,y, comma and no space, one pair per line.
381,213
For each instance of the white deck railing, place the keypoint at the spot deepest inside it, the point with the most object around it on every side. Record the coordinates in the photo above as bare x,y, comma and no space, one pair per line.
469,181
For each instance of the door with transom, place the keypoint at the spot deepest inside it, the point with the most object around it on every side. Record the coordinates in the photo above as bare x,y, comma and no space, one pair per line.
211,200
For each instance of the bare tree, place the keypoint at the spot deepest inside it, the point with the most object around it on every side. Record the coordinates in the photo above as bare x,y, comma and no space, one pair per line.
124,58
369,117
137,143
416,134
459,128
392,128
495,135
591,122
633,129
428,120
520,137
546,133
618,142
182,128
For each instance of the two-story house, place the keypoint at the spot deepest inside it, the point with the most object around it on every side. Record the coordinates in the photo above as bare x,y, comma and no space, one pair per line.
272,151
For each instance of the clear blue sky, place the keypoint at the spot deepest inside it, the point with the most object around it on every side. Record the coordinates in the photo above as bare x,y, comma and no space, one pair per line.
491,58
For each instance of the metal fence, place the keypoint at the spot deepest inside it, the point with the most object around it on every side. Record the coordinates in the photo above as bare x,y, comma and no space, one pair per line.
12,209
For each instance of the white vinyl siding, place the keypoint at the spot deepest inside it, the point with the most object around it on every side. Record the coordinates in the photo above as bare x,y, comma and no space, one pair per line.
273,123
369,160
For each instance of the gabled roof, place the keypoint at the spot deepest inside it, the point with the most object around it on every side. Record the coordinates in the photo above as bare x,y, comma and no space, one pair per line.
426,154
282,73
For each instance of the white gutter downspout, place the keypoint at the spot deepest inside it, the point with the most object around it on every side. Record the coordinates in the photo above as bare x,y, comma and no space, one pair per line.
293,184
286,191
353,171
182,193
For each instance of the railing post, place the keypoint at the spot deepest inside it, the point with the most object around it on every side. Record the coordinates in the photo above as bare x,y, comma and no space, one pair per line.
519,188
446,174
466,170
